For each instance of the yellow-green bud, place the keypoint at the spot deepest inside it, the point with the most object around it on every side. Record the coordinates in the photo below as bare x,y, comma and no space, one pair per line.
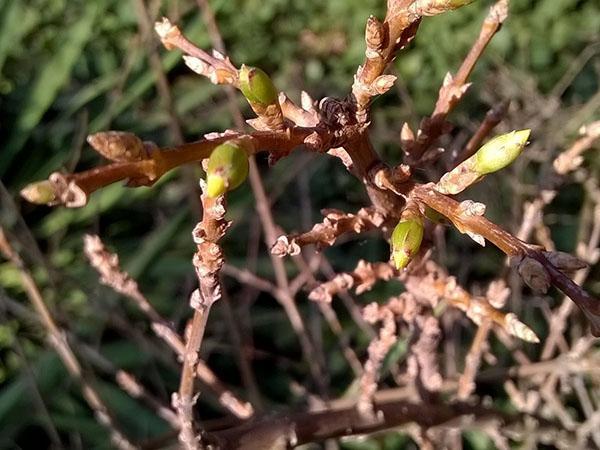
40,192
406,241
257,86
227,168
500,151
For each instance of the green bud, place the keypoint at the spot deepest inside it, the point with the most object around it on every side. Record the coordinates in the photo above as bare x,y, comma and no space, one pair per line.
40,192
257,86
500,152
227,168
406,241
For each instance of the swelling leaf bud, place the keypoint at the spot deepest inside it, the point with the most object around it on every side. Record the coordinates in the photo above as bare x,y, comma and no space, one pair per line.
257,86
227,168
406,241
40,192
500,152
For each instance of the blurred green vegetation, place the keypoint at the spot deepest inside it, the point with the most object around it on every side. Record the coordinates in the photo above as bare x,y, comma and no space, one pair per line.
70,68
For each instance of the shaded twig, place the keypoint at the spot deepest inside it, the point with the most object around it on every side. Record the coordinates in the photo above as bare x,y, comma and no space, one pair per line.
492,118
107,265
361,279
335,224
57,339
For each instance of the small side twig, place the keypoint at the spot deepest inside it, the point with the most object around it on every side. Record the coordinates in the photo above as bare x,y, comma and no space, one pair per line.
492,118
324,234
361,279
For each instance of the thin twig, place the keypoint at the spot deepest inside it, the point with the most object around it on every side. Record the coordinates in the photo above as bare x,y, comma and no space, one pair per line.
57,339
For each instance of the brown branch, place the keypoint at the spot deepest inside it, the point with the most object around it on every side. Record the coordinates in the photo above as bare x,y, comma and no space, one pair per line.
335,224
466,382
571,159
73,190
361,279
270,119
383,41
422,363
511,246
207,262
301,428
378,349
217,67
454,87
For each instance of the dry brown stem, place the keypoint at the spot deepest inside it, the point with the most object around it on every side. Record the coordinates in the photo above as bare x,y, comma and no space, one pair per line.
324,234
207,262
378,349
317,140
493,117
511,246
345,420
73,190
361,279
466,382
107,265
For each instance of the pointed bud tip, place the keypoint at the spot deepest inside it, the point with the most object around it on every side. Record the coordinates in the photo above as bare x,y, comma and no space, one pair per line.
39,193
406,241
500,151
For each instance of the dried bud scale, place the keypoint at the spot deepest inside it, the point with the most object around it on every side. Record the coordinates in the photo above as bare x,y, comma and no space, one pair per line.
533,273
375,37
564,261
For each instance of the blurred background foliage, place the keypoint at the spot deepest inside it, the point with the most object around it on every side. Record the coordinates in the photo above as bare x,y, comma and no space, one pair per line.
70,68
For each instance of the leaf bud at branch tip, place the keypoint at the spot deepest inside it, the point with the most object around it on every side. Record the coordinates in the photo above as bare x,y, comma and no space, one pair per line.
500,151
491,157
40,192
257,86
227,168
406,241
